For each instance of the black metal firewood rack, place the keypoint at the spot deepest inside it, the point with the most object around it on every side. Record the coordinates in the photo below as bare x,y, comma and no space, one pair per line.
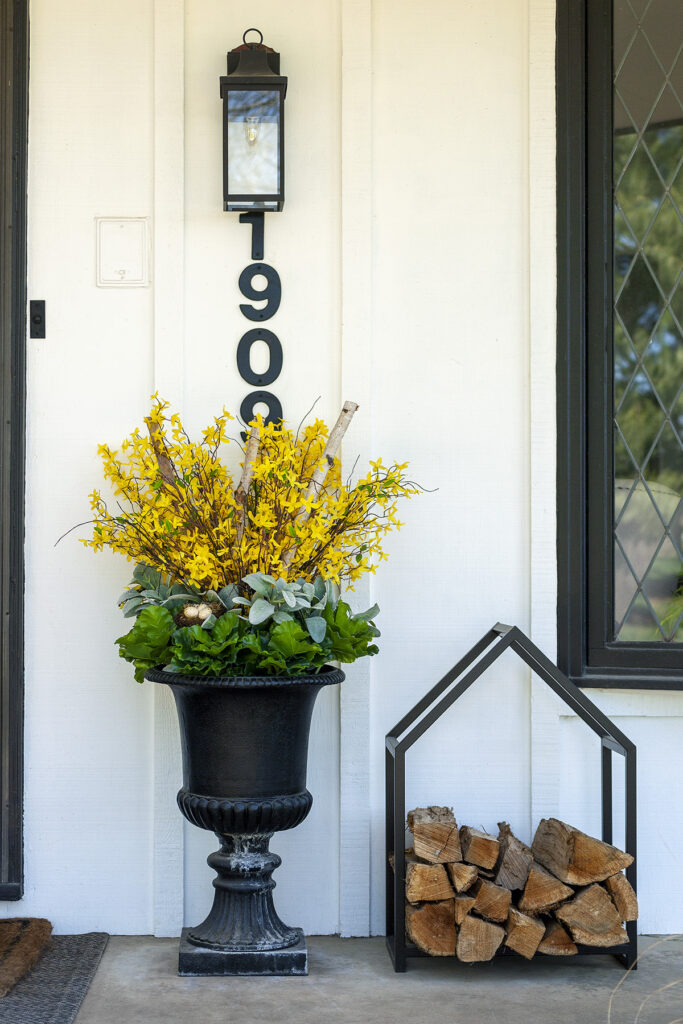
431,707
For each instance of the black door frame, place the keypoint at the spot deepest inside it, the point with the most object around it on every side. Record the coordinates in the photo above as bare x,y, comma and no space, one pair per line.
14,55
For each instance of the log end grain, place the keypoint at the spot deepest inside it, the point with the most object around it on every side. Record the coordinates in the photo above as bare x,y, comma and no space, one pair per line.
523,933
557,941
463,876
478,940
432,928
492,901
479,848
427,882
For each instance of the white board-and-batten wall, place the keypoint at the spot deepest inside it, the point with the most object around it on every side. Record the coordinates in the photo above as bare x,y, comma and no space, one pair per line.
416,252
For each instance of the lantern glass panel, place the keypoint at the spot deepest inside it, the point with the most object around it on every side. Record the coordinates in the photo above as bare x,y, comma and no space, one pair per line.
253,142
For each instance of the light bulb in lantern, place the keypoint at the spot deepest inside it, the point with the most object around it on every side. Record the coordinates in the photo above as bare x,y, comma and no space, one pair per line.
251,127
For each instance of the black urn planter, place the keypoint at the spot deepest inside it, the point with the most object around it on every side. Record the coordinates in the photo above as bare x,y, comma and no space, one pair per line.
245,748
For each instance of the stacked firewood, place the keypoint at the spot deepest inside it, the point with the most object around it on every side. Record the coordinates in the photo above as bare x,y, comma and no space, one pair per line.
469,893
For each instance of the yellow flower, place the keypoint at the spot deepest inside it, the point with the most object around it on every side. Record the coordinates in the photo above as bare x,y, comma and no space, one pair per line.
175,506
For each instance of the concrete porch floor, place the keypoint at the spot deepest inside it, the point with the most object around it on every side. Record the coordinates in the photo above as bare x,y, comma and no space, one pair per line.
351,982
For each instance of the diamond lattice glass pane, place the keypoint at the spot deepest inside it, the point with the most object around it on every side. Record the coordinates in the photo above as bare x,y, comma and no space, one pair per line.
625,473
641,624
625,247
640,304
625,362
640,417
640,192
640,531
664,245
665,463
663,141
661,585
626,586
663,359
660,22
648,305
640,80
677,189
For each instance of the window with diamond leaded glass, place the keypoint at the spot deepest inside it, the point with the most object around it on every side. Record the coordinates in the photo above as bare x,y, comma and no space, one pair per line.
648,312
620,353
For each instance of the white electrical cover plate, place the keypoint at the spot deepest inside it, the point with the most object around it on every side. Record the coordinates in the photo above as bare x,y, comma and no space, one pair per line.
122,252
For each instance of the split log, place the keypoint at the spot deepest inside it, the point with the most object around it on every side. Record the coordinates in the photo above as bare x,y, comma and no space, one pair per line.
574,857
543,892
435,834
432,928
523,933
514,861
605,940
463,876
492,901
427,882
557,941
478,940
463,905
591,911
479,847
623,897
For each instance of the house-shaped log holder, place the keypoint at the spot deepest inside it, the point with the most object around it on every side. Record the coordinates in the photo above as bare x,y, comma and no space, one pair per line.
431,707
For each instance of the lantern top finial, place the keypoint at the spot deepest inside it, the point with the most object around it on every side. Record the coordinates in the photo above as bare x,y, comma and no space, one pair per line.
246,33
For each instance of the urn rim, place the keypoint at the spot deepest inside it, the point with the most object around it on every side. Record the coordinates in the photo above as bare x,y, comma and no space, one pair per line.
327,676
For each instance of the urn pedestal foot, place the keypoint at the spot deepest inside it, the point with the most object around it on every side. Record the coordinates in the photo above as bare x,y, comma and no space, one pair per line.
243,933
194,961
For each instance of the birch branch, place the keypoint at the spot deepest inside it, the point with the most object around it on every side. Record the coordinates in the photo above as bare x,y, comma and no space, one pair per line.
242,491
320,473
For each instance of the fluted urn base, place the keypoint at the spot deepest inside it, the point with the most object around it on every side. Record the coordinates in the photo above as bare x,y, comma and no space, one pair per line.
243,933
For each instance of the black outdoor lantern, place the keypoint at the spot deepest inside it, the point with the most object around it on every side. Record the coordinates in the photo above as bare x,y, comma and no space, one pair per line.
253,94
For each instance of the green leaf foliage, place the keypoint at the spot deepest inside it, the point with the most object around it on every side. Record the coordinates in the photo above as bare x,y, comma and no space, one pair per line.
276,632
147,644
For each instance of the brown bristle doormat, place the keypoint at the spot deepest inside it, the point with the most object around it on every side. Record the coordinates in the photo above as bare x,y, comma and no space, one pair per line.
22,940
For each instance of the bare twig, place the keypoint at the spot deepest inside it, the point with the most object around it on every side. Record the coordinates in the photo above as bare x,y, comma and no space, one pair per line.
305,417
66,534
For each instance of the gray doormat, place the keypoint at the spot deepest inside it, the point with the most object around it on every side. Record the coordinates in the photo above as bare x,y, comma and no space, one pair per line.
53,991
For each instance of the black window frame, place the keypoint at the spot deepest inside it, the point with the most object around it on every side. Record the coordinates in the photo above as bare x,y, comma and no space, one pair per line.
13,185
585,492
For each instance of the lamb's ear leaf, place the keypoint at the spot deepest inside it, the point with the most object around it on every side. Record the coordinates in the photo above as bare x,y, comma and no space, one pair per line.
317,627
260,611
260,582
280,616
132,608
227,595
367,615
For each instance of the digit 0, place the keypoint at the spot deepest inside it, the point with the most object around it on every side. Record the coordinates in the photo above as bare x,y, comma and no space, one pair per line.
244,356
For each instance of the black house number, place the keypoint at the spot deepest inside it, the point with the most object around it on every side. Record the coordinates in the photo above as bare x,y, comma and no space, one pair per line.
272,293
